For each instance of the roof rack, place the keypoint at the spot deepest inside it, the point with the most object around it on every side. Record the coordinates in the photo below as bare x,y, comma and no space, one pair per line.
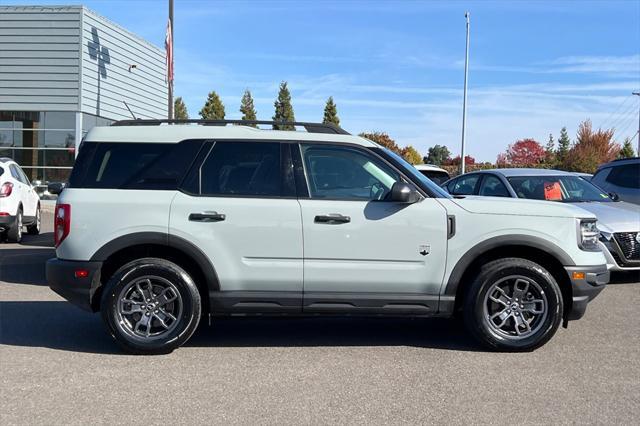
309,127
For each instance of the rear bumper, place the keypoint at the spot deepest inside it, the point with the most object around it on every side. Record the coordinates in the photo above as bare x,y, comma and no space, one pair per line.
6,221
61,276
587,288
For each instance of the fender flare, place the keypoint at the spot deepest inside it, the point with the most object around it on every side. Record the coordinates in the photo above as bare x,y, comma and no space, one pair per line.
162,239
504,240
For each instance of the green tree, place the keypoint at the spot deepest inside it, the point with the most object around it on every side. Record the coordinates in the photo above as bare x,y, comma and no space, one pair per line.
213,109
412,155
627,149
564,144
382,139
550,151
247,108
437,155
331,113
283,109
180,109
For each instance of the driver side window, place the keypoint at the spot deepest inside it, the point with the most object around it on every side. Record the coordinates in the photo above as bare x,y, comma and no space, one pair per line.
343,173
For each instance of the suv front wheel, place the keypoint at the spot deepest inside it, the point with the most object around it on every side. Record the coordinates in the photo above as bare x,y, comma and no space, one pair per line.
151,306
513,305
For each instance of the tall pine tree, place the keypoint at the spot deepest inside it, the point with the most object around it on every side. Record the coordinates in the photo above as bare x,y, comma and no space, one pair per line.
283,109
331,113
550,151
627,149
247,108
180,109
564,143
213,109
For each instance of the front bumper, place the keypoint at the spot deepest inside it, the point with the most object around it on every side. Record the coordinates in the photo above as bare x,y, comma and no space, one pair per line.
585,289
61,276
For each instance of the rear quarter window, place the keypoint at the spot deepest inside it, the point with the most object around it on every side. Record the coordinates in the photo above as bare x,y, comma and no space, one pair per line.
625,176
159,166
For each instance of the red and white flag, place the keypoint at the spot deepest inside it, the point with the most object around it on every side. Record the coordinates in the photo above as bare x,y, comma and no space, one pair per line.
168,45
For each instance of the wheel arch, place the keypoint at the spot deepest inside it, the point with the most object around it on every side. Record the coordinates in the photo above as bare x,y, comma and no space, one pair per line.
185,254
536,249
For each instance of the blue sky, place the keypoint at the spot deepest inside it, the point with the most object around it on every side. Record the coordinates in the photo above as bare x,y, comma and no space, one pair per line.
397,67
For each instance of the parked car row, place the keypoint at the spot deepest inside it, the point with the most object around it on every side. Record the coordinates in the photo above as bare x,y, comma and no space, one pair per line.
618,221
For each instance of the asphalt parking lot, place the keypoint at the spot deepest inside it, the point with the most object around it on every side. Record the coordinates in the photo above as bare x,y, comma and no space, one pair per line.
58,366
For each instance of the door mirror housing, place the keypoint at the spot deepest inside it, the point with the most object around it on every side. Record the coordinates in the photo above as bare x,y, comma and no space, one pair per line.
55,188
403,193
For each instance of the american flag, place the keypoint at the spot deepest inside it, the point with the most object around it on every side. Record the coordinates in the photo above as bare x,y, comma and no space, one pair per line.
168,45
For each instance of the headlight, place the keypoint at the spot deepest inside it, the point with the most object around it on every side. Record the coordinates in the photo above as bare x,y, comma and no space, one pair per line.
588,235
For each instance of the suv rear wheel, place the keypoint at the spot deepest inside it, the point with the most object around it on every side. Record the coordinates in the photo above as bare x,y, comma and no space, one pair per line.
14,233
151,306
513,305
34,228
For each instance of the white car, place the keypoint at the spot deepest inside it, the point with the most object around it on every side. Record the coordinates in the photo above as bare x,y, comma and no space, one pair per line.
161,225
437,174
19,202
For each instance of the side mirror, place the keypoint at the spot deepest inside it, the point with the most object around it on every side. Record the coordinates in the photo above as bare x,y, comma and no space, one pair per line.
55,188
403,193
614,196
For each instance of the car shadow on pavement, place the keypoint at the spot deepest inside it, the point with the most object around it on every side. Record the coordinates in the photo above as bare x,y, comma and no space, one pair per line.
24,266
42,240
59,325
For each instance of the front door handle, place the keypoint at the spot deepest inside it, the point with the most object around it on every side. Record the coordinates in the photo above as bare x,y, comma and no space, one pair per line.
332,219
207,217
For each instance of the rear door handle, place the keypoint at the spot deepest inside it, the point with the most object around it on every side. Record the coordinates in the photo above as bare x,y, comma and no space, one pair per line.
207,217
332,219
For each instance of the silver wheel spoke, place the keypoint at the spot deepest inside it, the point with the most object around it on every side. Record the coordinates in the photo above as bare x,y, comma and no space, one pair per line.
520,288
167,314
502,298
161,317
134,306
503,316
535,306
146,322
167,296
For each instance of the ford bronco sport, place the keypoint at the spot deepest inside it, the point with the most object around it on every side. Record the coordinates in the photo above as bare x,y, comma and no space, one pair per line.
164,222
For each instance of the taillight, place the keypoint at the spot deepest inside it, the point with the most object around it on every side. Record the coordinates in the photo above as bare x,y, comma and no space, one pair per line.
6,189
62,223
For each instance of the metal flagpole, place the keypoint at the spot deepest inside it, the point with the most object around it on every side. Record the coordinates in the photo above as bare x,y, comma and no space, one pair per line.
464,101
170,75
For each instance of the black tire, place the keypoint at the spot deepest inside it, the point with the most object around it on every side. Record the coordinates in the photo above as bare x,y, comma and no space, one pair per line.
14,233
530,282
119,316
34,228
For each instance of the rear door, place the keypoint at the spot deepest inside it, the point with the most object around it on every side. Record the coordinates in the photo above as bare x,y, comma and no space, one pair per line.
239,207
361,253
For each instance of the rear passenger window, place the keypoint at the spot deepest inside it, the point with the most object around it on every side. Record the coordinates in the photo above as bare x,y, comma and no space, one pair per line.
626,176
133,165
492,186
241,169
465,185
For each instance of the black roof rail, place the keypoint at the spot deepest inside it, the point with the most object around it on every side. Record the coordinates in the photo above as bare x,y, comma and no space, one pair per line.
309,127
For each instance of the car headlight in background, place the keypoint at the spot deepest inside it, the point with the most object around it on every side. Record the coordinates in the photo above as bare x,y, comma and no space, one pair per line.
588,235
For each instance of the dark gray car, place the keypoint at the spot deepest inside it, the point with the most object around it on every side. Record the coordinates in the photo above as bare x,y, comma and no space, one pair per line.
621,177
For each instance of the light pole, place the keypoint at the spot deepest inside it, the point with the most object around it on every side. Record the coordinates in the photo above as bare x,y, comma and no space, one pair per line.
638,94
464,100
170,64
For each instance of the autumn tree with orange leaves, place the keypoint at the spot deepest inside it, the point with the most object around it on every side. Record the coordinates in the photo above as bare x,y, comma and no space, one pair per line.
592,148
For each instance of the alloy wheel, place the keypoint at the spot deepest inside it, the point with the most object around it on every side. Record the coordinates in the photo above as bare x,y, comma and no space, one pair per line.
515,307
149,308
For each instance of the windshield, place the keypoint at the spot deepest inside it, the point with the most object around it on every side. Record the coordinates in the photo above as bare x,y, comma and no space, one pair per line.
414,174
569,189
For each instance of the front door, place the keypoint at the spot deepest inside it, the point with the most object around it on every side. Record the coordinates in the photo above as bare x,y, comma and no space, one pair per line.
362,253
239,208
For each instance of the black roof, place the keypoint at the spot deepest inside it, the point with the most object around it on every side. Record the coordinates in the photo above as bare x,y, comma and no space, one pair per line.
309,127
